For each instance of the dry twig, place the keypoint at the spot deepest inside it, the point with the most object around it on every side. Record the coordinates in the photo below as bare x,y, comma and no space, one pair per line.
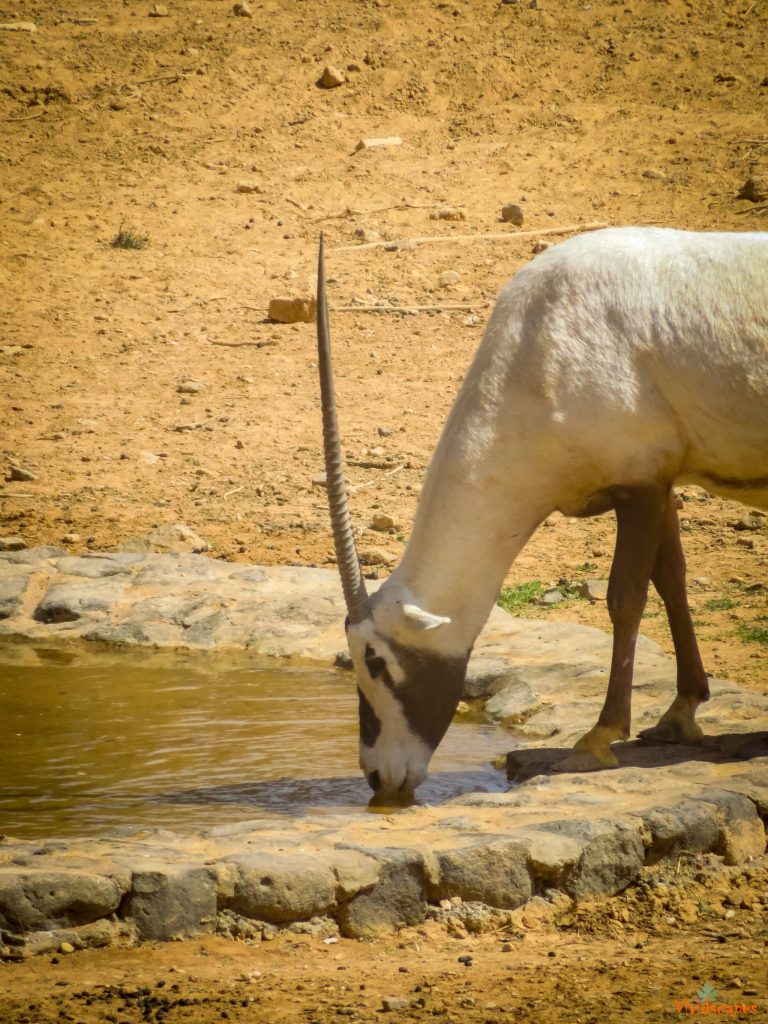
350,212
162,78
377,480
29,117
494,236
244,344
409,309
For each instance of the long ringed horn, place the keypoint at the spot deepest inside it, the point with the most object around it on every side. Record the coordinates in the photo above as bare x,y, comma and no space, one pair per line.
352,582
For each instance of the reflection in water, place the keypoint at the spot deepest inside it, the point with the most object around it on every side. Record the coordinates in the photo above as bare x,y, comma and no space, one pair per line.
88,743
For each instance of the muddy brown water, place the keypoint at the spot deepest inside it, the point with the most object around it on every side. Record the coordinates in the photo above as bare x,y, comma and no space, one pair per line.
94,742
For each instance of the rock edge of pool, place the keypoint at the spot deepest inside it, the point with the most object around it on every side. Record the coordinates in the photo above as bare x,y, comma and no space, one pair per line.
552,833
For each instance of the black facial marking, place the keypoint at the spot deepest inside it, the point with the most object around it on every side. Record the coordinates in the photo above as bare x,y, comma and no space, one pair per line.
370,726
376,665
431,690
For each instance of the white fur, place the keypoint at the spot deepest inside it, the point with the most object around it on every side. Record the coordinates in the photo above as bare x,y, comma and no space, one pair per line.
628,356
399,756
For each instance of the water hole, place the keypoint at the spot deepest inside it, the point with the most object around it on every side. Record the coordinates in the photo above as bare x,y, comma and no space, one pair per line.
94,741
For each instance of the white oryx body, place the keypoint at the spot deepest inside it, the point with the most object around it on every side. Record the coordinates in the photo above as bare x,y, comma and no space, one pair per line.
612,366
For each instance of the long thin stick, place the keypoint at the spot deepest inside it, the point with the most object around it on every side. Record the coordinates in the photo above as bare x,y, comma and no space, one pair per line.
244,344
506,236
377,480
162,78
30,117
408,309
350,212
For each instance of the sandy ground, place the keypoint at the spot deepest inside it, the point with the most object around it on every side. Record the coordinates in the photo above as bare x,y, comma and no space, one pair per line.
208,133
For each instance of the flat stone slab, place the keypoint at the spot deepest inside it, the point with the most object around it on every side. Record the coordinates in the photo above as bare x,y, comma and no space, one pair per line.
552,832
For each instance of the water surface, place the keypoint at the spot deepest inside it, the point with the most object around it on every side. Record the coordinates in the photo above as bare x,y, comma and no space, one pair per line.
90,742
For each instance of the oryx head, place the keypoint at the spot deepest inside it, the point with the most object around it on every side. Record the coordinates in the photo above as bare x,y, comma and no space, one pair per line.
408,688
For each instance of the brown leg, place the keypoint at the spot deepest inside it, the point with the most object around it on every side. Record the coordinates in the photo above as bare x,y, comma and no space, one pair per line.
640,517
678,723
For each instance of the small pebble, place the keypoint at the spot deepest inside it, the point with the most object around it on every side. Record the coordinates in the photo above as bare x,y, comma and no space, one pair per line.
382,522
594,590
511,213
331,77
448,278
392,1003
367,235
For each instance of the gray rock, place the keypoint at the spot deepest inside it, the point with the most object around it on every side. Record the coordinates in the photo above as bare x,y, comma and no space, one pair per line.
594,590
354,872
32,556
253,574
551,857
37,900
613,854
68,602
397,901
742,834
169,900
202,633
181,609
552,596
135,634
12,590
391,1004
273,888
91,566
171,569
12,544
166,539
690,826
493,873
448,278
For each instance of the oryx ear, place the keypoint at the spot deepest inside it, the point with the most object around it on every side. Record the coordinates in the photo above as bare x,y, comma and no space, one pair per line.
416,616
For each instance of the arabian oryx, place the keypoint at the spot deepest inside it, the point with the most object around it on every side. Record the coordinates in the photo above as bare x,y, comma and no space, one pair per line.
613,365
